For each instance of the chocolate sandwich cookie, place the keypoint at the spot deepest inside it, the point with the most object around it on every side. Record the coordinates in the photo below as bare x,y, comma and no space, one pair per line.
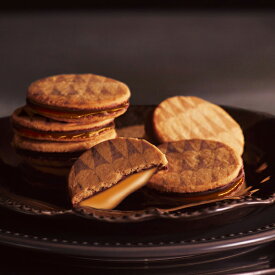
81,97
187,117
104,175
37,127
198,170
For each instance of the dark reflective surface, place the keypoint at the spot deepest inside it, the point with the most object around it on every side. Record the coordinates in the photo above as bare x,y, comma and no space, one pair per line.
241,260
155,239
258,162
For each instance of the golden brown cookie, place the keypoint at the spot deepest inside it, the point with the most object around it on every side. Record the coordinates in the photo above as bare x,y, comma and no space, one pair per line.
186,117
198,168
82,97
135,131
111,162
33,126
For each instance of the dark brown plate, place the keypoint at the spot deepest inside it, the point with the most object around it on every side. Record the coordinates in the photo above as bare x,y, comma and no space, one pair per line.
259,167
47,223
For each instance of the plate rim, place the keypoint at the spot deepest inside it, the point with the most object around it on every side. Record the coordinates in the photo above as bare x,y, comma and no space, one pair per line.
142,250
137,252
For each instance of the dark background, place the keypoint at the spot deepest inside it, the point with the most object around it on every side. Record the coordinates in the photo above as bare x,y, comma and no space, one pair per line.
224,53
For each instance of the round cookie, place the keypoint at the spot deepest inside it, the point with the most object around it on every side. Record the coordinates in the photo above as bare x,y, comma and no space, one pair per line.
108,163
187,117
85,97
37,127
198,168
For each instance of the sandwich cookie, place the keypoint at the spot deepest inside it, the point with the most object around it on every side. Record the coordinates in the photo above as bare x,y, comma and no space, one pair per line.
54,153
187,117
107,173
82,97
37,127
198,170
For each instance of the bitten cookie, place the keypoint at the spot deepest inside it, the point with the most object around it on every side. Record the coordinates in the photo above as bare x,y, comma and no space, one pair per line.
198,170
104,175
187,117
82,97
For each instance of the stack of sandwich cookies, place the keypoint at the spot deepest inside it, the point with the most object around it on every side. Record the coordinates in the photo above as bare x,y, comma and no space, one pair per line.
49,141
198,170
187,117
107,173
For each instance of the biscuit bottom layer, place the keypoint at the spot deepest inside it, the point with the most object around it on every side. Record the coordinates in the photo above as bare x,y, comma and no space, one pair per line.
112,197
48,155
230,189
28,133
73,114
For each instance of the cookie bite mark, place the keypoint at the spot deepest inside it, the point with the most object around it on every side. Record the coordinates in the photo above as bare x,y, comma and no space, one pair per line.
125,169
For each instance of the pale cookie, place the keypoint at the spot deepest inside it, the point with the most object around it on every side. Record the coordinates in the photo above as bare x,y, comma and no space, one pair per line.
187,117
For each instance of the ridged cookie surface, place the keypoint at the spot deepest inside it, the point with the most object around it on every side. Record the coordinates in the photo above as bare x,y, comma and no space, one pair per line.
187,117
109,162
196,166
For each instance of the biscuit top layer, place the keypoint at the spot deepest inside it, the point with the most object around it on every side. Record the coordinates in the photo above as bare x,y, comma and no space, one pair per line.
196,166
78,92
188,117
109,162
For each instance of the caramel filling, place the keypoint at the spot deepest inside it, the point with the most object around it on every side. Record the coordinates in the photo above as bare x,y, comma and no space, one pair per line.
32,134
72,114
220,194
113,196
235,186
